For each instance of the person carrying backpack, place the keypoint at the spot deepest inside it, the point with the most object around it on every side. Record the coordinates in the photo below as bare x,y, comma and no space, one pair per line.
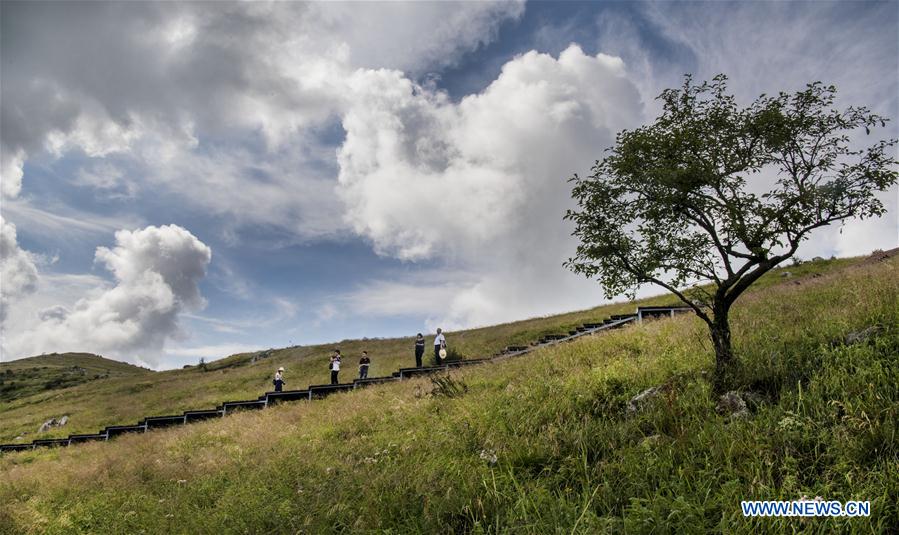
279,380
419,349
334,366
364,362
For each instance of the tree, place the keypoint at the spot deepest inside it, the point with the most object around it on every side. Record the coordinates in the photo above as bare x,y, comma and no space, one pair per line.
714,195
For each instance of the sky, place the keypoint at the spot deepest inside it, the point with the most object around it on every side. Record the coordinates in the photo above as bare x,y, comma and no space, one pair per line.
191,180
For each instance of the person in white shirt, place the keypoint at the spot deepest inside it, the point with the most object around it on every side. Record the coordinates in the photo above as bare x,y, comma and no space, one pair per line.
279,380
335,366
439,343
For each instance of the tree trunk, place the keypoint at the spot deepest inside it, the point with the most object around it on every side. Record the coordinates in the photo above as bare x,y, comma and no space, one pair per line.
724,357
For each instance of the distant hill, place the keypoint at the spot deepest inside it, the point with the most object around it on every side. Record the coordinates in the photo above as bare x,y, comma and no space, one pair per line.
32,375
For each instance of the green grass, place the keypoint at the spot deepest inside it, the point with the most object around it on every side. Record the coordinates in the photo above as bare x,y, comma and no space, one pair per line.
417,456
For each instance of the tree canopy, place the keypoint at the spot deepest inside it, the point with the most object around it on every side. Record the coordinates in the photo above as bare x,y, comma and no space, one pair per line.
712,192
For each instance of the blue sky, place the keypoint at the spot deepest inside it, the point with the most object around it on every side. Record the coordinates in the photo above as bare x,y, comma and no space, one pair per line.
263,175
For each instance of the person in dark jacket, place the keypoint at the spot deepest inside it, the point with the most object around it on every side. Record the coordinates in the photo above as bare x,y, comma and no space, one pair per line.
419,349
279,380
334,366
364,362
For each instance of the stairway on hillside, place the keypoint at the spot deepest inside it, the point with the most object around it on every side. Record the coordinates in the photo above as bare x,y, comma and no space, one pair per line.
321,391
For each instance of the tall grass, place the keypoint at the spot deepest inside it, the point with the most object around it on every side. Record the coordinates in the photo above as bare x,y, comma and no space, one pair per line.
540,444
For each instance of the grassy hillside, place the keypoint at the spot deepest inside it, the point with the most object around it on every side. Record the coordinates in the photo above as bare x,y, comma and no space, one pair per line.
34,375
537,444
127,399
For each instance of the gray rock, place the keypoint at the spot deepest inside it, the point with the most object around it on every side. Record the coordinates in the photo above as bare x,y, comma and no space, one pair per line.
733,405
47,425
63,421
637,402
786,274
753,400
863,335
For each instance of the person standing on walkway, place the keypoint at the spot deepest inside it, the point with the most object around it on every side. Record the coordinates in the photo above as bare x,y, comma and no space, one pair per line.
279,379
419,349
363,365
439,344
335,366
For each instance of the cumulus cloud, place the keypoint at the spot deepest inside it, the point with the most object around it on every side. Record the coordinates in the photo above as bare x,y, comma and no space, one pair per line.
423,177
156,270
481,184
18,272
221,103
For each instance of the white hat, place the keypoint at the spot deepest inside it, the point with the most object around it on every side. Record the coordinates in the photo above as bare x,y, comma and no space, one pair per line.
281,369
442,353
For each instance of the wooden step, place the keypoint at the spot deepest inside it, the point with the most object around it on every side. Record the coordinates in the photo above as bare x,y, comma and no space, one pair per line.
405,373
359,383
16,447
320,391
74,439
116,430
164,421
286,395
51,442
231,406
466,362
194,416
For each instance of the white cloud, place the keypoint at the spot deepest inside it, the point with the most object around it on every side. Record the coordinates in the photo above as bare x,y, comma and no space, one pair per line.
157,271
284,309
54,313
107,178
18,273
482,184
325,312
421,36
254,81
57,220
424,177
11,162
285,190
